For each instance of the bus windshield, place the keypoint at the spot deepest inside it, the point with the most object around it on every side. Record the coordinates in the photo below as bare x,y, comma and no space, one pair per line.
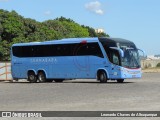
131,58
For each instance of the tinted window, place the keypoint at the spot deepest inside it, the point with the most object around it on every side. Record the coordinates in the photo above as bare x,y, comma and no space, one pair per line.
42,50
114,57
88,49
57,50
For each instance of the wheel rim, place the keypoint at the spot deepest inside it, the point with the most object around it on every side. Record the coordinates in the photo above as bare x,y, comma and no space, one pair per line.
31,77
41,77
102,77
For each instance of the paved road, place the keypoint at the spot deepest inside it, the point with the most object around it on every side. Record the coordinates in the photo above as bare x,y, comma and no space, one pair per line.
83,95
140,94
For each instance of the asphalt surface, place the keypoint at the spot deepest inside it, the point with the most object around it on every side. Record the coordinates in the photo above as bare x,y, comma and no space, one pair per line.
82,95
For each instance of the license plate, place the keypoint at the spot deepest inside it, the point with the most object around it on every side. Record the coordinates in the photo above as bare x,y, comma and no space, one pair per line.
134,76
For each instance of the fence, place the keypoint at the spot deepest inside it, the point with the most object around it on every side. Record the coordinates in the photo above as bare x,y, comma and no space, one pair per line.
5,71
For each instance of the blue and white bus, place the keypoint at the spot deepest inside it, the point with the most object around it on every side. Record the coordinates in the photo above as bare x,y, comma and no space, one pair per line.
76,58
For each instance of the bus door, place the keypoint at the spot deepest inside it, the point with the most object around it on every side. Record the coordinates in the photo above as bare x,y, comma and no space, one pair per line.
114,58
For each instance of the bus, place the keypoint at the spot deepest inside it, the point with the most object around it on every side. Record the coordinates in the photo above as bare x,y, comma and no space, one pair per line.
76,58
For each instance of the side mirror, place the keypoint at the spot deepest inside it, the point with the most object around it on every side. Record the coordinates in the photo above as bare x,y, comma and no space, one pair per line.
144,54
118,49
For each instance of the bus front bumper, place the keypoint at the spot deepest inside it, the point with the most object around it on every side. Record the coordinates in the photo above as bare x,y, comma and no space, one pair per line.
131,73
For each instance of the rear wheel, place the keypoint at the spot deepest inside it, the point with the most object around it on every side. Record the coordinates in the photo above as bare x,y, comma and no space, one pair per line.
120,80
32,77
102,77
41,77
58,80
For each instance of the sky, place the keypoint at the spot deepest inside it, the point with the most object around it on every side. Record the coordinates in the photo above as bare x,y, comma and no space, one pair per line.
135,20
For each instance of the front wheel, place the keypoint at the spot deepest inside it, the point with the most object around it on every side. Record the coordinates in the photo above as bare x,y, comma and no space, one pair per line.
41,77
120,80
102,77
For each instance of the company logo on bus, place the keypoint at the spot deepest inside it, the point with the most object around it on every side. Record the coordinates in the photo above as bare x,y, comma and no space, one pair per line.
44,60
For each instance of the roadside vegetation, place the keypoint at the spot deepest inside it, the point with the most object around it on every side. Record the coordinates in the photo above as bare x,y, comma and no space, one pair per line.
158,65
14,28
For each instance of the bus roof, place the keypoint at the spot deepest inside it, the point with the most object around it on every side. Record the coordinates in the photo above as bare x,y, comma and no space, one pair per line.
62,41
74,40
115,40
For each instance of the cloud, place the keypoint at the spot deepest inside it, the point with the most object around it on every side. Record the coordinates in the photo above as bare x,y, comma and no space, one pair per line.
48,12
95,7
101,12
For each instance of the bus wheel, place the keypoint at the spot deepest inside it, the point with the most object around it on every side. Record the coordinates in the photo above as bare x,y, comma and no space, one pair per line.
32,77
102,77
120,80
41,77
58,80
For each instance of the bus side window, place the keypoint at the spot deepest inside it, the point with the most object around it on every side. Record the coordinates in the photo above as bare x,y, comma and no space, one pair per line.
115,57
91,49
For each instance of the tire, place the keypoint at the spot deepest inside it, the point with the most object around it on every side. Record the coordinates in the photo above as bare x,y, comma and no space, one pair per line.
58,80
32,77
41,77
102,77
120,80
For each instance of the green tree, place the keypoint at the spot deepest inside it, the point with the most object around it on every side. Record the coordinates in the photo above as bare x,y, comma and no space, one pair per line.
61,19
66,28
57,26
10,27
17,29
30,27
102,34
13,26
1,30
74,30
4,51
158,65
91,31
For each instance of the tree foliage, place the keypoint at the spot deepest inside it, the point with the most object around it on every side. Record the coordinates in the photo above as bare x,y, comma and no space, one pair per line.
14,28
158,65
